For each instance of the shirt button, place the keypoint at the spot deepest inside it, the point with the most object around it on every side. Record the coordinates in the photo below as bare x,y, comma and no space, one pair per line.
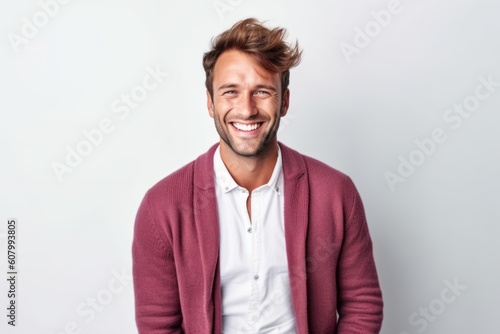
249,230
256,277
253,317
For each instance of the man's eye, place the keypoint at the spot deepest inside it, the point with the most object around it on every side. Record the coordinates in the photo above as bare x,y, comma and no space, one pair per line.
262,92
230,92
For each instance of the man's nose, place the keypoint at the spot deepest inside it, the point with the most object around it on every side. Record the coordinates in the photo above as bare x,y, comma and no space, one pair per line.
247,106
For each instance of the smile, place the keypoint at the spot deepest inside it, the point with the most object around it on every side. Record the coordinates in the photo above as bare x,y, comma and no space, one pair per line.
247,127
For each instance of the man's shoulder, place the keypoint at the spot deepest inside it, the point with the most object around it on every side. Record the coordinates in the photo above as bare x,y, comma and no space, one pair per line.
317,171
326,184
180,177
179,183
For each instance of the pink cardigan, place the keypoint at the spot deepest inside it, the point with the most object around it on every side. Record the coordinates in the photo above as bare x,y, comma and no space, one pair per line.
330,260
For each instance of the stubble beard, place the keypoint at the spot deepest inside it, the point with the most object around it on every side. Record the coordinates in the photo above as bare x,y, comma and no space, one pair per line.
263,145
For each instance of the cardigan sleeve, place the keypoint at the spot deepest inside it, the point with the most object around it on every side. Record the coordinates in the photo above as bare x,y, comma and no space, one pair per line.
156,293
360,305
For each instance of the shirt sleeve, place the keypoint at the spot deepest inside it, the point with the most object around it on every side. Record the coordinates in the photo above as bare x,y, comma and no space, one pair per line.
156,293
360,304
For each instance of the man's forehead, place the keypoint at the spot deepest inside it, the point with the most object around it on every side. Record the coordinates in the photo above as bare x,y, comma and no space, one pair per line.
236,65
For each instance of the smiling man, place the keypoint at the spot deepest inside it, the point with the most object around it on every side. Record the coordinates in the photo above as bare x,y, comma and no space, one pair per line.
252,236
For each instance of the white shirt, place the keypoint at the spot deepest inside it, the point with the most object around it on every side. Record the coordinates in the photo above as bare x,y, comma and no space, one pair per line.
255,284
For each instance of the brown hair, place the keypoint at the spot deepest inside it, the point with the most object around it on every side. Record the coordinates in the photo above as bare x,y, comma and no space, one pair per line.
266,45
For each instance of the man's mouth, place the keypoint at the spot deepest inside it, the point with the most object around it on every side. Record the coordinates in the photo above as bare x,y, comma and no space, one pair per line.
247,127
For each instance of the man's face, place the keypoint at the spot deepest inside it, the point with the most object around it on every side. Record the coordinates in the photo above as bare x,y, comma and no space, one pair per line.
247,103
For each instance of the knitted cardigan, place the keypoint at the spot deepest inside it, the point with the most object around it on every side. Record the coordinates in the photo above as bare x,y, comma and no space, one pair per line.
333,278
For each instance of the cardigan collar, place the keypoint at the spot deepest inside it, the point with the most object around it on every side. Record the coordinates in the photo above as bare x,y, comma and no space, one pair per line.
293,166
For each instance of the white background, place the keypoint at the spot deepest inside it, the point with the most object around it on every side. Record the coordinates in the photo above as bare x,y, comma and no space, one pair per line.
358,113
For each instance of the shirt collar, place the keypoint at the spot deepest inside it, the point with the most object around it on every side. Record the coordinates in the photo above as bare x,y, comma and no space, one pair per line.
227,183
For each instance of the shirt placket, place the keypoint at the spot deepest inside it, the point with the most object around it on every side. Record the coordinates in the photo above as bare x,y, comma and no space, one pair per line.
256,262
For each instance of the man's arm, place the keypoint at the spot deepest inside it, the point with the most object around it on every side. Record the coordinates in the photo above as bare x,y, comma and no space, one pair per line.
360,304
157,303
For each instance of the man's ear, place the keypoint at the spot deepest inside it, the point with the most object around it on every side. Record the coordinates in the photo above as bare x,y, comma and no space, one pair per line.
210,104
286,103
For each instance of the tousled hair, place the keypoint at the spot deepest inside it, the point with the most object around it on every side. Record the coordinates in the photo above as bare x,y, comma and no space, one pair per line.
267,46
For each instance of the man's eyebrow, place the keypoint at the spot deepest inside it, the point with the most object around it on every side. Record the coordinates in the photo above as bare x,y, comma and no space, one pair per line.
234,85
272,88
229,85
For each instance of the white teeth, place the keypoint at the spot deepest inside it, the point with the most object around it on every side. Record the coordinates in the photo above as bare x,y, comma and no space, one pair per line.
247,127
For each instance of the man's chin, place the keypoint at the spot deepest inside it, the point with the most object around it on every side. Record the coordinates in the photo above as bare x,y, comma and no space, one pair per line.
248,147
246,150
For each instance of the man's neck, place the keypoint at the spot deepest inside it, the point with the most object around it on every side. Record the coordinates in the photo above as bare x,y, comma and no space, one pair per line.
250,172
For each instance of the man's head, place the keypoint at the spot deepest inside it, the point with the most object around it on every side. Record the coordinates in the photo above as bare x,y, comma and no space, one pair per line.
247,77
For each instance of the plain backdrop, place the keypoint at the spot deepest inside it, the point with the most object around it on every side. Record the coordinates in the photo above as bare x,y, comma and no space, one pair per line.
369,94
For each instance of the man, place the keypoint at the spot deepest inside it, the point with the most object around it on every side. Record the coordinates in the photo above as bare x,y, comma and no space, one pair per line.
253,237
